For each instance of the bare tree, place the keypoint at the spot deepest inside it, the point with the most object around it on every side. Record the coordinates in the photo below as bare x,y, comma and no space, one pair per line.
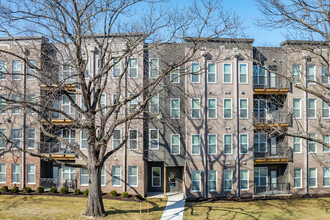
75,32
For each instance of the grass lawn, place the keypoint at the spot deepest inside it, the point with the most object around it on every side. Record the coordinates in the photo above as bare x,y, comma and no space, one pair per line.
55,207
263,209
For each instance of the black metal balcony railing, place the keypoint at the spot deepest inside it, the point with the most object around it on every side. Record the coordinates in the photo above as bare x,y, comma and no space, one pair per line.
271,82
275,117
275,152
48,183
272,189
54,148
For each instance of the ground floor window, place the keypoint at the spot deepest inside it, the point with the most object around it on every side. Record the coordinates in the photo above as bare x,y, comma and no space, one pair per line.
103,176
156,177
116,175
260,176
31,174
297,177
133,175
196,181
312,177
244,179
212,180
68,173
228,180
326,176
2,173
16,173
84,177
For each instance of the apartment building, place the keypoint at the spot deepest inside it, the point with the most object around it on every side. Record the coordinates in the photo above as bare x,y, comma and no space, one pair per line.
215,125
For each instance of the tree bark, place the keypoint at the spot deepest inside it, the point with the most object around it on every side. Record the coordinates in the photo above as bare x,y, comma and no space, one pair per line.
94,206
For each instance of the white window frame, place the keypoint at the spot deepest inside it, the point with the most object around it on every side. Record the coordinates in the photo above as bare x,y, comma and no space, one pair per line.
105,102
3,173
105,175
173,78
2,140
328,142
231,143
3,104
70,138
85,175
259,109
30,71
112,176
247,73
116,139
295,142
132,104
15,110
137,139
325,108
157,68
216,181
18,139
71,108
247,143
152,177
312,135
116,66
231,108
71,171
224,180
193,73
258,75
28,138
231,73
199,144
31,98
130,68
296,78
179,145
208,144
324,76
199,108
309,75
215,72
324,168
300,178
150,139
152,103
29,174
215,108
3,65
20,70
259,135
83,139
240,179
247,108
259,176
311,109
172,109
199,181
114,96
309,173
293,108
19,173
137,176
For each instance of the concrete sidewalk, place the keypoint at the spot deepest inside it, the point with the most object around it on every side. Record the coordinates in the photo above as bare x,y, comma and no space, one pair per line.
174,207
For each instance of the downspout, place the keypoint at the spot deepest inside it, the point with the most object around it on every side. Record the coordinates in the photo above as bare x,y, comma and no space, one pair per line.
238,185
24,126
205,127
126,127
306,128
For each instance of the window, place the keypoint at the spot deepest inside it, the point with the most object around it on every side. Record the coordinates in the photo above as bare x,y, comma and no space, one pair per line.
195,180
244,180
244,148
31,174
154,104
243,73
68,173
133,175
311,73
3,70
133,103
212,180
243,108
227,108
175,144
195,76
260,176
296,73
83,140
195,144
116,69
326,176
296,108
84,177
227,143
3,142
31,134
259,75
30,71
115,102
133,139
86,73
116,138
69,72
260,142
31,98
195,108
175,108
296,145
153,68
211,108
211,73
297,178
69,135
16,69
312,177
312,144
103,176
325,77
2,104
325,110
15,109
16,137
67,106
212,143
260,108
116,175
156,177
2,173
227,73
326,139
16,170
133,68
154,139
175,75
311,108
103,102
228,180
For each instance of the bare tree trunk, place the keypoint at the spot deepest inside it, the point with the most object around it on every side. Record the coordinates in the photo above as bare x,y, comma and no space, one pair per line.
94,206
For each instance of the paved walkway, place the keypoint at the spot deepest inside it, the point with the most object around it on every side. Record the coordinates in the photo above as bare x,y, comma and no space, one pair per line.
174,207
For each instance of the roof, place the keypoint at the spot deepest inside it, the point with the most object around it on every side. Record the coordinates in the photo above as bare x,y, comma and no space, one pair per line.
223,40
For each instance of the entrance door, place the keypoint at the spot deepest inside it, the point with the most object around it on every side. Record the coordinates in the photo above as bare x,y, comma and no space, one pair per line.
273,150
273,178
272,80
174,179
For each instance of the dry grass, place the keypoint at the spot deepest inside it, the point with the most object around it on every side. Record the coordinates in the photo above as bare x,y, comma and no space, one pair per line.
266,209
54,207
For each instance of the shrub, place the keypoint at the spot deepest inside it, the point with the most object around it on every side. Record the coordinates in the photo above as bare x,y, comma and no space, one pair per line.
113,193
15,189
4,189
53,190
138,197
86,192
40,189
27,190
125,194
64,190
76,192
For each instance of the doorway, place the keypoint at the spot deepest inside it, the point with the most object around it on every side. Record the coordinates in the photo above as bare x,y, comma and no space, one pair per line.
174,179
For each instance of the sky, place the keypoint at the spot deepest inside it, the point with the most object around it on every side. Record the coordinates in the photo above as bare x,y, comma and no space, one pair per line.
248,12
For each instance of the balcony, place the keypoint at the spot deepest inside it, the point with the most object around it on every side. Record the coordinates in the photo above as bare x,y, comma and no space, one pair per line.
274,155
59,119
264,119
277,85
56,150
272,189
